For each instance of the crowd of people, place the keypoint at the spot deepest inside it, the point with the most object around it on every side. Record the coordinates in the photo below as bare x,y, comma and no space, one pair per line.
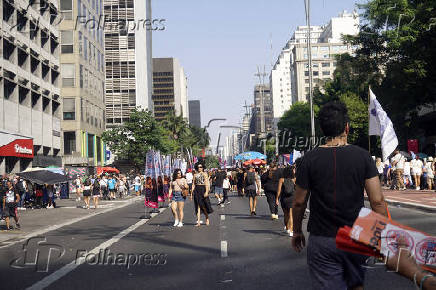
105,186
402,172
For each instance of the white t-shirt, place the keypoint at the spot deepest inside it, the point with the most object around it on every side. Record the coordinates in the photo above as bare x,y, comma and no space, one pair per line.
103,182
380,168
430,173
226,183
400,161
137,180
189,177
407,168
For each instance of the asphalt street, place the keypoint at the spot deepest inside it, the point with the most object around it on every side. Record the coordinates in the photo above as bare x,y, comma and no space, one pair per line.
117,250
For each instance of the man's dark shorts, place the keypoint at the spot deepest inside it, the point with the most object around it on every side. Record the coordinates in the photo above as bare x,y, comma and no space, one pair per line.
331,268
10,210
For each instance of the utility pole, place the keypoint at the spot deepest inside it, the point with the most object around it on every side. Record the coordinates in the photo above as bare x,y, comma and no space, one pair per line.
309,56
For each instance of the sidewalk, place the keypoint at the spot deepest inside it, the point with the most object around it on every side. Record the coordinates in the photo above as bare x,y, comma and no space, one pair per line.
39,221
419,199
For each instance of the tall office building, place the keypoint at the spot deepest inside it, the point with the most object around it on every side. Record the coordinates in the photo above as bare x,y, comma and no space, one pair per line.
170,89
267,125
30,103
324,52
280,77
82,67
194,113
128,58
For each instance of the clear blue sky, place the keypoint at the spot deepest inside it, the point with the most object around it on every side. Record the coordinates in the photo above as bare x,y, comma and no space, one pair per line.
220,44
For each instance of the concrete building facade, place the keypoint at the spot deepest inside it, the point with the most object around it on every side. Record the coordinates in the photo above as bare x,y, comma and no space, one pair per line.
268,114
127,58
170,88
30,102
195,113
83,89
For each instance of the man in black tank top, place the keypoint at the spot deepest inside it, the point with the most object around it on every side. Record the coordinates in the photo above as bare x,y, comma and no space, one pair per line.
336,175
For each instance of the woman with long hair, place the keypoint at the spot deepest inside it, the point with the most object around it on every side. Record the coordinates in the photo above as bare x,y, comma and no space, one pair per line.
87,192
160,192
166,187
178,200
96,192
285,193
270,182
200,191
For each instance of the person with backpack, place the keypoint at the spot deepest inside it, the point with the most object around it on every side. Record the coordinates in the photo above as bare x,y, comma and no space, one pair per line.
250,181
285,194
270,182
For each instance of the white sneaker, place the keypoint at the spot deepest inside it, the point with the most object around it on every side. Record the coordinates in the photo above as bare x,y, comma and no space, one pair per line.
291,234
417,188
176,222
222,205
285,230
180,224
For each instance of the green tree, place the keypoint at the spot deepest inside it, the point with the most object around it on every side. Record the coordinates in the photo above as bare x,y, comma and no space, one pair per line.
211,162
396,53
133,139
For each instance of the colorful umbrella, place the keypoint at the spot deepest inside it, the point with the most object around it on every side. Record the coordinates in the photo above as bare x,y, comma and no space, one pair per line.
251,155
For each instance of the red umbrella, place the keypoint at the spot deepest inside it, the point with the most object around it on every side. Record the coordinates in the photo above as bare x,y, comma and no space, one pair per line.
246,163
100,170
258,162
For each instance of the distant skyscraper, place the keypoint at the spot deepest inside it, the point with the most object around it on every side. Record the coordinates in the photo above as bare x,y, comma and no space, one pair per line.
128,59
82,69
195,113
268,115
170,89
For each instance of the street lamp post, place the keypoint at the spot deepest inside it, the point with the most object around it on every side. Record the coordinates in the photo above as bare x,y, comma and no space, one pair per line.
309,56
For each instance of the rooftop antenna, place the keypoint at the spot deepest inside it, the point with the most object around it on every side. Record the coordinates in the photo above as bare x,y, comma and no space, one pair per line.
272,51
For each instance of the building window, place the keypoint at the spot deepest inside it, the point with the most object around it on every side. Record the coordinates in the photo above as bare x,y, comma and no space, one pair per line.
67,9
81,76
69,143
325,73
80,43
306,73
68,74
66,41
325,64
315,73
69,109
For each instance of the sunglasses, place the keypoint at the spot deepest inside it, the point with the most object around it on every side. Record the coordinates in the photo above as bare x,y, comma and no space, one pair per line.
200,167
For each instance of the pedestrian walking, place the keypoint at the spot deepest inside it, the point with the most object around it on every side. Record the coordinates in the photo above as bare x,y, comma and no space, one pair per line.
87,187
336,175
285,194
160,191
240,182
189,178
111,185
408,182
270,182
96,192
10,199
219,177
200,193
226,189
252,188
398,166
417,165
137,185
78,186
178,185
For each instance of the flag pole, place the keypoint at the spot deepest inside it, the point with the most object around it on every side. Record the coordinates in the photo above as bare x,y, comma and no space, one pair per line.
369,117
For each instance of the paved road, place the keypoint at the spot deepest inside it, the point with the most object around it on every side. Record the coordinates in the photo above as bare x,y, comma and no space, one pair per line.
259,256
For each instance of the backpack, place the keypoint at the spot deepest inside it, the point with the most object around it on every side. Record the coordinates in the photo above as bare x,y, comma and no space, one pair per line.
287,188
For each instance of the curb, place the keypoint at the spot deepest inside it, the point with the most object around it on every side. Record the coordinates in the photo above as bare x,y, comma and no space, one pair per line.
421,207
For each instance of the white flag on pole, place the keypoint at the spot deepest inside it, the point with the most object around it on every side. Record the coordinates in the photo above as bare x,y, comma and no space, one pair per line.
381,125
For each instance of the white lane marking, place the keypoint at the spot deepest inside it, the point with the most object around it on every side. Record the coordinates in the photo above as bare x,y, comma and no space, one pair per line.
402,198
224,249
223,217
53,277
55,227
